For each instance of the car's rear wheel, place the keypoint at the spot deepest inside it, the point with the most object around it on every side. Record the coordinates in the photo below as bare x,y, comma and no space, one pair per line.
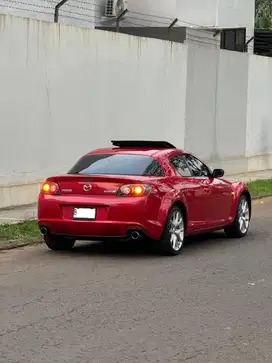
57,243
173,235
240,225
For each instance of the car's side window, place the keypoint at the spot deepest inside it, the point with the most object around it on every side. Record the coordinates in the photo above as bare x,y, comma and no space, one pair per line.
154,169
180,164
197,168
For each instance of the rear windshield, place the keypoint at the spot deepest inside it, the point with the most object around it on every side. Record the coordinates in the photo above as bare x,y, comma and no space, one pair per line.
117,164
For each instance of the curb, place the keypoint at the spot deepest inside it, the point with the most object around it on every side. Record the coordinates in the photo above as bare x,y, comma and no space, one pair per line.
12,244
20,207
262,196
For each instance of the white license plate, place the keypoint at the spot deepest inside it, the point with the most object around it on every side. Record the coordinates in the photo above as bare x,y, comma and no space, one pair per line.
84,213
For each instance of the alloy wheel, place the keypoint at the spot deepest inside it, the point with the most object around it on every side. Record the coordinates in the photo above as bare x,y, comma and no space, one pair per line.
243,216
176,230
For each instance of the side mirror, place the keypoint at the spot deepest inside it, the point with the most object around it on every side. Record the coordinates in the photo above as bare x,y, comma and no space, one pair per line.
218,173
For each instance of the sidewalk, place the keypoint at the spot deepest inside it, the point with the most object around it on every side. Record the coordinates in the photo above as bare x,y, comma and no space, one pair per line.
251,176
18,214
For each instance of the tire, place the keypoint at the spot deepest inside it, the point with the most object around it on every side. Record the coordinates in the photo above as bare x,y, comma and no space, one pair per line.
240,225
58,243
173,234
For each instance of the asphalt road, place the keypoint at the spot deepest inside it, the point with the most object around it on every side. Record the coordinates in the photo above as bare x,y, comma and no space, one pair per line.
211,304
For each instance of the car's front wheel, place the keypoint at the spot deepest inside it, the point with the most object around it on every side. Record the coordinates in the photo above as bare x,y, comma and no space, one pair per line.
57,243
240,225
173,235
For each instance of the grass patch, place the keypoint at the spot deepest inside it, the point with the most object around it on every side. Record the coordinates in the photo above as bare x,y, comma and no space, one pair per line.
20,231
260,188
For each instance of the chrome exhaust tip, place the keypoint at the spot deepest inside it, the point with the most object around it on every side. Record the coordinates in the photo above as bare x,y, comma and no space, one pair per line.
135,235
43,231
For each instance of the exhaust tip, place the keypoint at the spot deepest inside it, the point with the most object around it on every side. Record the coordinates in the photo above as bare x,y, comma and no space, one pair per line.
43,231
135,235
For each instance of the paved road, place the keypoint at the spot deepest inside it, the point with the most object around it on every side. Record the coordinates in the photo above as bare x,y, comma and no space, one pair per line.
212,304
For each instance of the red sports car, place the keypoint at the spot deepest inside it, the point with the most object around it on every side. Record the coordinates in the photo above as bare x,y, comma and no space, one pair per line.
140,189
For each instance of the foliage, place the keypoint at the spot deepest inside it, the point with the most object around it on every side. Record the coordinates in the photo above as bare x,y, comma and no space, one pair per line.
264,14
23,230
260,188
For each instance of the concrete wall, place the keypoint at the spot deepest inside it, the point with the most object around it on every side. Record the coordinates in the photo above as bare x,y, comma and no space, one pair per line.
201,101
219,13
228,118
216,104
259,115
65,90
237,13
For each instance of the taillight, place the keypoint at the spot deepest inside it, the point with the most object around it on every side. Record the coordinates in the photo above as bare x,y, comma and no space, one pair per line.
50,188
134,190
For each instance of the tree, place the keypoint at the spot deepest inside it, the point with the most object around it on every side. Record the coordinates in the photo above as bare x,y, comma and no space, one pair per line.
263,14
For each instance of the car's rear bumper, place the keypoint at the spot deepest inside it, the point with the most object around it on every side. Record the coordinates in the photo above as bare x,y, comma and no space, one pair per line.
115,218
90,230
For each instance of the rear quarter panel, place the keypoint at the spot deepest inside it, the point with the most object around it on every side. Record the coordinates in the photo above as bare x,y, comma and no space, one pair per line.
168,196
238,189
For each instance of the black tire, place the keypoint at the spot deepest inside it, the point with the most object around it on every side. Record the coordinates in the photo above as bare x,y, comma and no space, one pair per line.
236,229
56,243
167,243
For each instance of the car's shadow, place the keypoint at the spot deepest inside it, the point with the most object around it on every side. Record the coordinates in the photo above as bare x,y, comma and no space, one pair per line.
144,249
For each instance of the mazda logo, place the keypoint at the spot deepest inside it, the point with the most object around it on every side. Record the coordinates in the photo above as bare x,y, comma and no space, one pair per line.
87,187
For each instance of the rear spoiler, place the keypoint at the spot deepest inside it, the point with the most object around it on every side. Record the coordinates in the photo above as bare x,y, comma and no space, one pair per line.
143,143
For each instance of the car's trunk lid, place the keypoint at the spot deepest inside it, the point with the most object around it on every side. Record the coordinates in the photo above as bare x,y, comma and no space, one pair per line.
94,184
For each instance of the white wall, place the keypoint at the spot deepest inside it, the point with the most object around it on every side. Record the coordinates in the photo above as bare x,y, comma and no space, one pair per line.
231,104
259,116
200,101
35,9
66,90
216,105
198,12
161,8
219,13
237,13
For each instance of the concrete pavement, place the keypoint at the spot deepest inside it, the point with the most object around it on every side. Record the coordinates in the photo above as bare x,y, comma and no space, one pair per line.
251,176
17,214
125,304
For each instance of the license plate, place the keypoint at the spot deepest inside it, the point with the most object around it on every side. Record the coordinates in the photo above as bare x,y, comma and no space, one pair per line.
84,213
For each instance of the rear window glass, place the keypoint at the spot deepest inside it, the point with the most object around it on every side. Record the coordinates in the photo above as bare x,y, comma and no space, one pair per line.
117,164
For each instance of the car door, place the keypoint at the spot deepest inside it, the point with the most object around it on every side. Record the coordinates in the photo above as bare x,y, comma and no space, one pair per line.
192,189
222,200
218,192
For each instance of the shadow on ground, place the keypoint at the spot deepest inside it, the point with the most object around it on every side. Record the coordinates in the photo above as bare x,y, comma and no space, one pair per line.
145,249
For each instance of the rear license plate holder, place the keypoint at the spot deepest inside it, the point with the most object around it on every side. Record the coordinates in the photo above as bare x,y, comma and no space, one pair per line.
88,214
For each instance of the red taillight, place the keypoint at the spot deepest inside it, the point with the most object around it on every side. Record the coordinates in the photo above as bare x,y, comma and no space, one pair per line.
50,188
134,190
